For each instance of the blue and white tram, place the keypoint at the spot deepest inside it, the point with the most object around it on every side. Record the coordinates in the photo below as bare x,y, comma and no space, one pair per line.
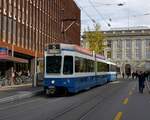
112,71
70,68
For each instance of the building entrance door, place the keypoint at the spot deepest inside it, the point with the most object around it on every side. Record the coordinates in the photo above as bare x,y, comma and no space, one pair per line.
128,70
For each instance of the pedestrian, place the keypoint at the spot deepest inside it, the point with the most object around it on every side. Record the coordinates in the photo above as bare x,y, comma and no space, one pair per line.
128,75
28,73
14,77
136,74
141,77
133,74
123,75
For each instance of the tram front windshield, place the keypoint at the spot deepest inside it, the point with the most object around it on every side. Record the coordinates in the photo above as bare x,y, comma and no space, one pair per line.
53,64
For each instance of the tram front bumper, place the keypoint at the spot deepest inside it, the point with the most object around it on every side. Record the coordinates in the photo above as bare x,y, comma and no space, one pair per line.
50,90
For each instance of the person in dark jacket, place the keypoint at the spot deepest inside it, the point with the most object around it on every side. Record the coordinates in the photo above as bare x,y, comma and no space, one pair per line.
123,75
141,77
136,74
133,75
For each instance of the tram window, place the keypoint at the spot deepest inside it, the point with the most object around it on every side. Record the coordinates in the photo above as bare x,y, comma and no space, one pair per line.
102,67
68,65
77,64
83,65
53,64
112,68
90,66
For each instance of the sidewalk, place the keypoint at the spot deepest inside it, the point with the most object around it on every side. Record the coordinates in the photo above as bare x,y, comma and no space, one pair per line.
17,92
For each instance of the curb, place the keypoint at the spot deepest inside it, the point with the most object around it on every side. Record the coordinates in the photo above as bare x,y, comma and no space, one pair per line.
4,88
20,96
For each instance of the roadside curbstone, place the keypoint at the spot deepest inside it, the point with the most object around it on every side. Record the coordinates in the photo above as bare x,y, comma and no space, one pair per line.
20,96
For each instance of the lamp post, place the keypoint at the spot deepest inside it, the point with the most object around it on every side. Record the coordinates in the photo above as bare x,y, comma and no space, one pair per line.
34,84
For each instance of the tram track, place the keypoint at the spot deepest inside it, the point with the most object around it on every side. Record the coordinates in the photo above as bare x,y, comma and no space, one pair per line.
77,107
98,98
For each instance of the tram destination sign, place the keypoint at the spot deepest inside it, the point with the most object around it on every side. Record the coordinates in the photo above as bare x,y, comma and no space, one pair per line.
54,49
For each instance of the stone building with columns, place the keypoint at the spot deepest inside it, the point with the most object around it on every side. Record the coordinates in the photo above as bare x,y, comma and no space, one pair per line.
129,48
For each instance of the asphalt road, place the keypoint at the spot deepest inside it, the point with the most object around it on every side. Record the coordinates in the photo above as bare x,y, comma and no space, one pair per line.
118,100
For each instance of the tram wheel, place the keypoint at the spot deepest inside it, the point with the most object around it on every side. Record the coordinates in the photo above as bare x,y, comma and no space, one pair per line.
65,92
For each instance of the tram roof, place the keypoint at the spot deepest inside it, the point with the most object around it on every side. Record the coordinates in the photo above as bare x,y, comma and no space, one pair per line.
69,47
76,48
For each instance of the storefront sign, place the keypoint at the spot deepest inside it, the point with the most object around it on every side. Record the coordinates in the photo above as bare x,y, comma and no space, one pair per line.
3,51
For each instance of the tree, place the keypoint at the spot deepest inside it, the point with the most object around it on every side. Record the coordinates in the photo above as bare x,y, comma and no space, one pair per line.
95,39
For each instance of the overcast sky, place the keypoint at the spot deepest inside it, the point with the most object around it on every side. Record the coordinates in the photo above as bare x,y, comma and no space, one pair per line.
133,13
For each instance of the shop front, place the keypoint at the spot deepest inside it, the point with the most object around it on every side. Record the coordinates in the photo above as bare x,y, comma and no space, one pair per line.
13,70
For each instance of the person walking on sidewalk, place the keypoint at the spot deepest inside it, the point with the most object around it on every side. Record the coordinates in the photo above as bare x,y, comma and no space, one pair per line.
141,77
123,75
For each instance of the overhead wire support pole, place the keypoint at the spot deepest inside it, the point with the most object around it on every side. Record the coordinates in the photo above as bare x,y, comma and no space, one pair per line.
62,24
73,21
34,84
63,30
69,26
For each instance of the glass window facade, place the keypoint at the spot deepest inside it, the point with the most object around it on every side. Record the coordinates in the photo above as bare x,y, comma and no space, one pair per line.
32,24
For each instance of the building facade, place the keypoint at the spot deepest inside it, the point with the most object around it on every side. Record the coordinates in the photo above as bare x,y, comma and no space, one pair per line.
129,48
27,26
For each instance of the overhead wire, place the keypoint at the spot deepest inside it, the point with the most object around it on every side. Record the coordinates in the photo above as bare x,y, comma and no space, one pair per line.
99,13
94,21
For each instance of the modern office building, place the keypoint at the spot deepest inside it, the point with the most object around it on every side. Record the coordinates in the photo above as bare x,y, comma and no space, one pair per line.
27,26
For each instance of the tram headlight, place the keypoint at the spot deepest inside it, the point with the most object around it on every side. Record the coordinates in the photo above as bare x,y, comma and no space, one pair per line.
53,81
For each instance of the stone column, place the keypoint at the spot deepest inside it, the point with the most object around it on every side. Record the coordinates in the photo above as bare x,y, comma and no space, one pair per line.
114,49
143,49
123,49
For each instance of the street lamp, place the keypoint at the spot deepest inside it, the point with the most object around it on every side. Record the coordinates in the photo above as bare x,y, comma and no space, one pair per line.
120,4
109,4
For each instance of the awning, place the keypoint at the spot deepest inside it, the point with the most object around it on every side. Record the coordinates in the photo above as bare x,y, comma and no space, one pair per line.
13,59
